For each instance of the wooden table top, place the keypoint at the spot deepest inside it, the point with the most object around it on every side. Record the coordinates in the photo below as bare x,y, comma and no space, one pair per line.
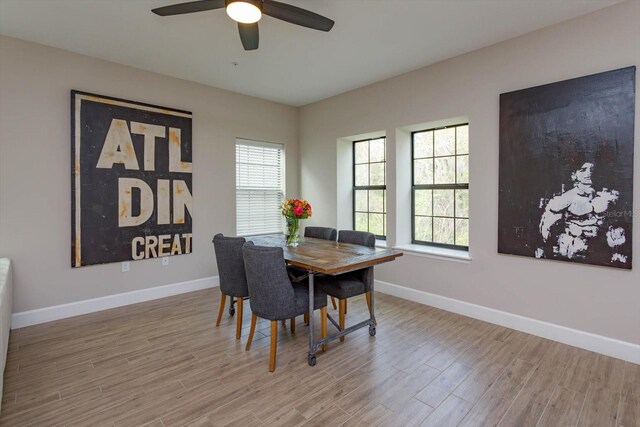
326,256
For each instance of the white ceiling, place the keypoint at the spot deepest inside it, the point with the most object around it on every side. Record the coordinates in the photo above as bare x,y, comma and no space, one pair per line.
372,39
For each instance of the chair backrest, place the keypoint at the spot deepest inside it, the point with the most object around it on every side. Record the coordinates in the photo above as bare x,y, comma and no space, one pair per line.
357,238
365,239
233,280
271,293
326,233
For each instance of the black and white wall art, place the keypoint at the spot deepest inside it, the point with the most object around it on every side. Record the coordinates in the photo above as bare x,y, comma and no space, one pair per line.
566,170
131,180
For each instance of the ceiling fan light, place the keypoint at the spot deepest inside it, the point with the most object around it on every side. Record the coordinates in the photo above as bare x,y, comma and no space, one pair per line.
243,11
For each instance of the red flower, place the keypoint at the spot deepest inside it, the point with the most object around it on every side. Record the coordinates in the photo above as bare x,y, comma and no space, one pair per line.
296,208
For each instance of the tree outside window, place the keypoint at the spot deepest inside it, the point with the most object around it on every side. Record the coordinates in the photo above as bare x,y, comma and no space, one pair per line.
369,186
440,190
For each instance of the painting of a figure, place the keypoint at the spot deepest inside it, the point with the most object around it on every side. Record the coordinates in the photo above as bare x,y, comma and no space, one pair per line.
566,170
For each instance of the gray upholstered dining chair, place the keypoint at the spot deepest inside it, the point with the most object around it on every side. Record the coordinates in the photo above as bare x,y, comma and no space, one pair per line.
325,233
233,281
350,284
272,296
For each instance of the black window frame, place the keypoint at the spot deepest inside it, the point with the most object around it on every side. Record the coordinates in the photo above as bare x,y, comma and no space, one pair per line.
370,187
454,187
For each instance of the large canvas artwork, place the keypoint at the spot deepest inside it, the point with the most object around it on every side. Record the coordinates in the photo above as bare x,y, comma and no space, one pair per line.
131,180
566,170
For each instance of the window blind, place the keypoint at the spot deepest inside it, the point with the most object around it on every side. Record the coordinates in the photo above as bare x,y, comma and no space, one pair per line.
259,187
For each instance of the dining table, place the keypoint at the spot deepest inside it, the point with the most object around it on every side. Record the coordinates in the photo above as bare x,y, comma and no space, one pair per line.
319,256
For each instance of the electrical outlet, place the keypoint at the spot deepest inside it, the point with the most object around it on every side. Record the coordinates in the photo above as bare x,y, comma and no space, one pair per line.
125,266
165,261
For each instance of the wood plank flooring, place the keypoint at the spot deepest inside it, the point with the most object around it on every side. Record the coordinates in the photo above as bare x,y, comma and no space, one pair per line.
164,363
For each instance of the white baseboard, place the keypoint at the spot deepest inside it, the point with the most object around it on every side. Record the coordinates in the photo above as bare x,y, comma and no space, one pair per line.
574,337
56,312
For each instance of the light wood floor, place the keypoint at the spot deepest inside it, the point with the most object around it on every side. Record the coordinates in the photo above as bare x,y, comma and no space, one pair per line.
164,363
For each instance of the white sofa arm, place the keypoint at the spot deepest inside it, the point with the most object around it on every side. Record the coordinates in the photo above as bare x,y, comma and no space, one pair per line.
6,302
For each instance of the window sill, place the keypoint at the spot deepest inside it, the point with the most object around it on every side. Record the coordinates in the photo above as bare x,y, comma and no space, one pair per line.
455,255
381,244
262,233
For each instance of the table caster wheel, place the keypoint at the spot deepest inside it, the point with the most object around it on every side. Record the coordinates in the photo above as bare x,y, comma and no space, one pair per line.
372,330
311,359
232,311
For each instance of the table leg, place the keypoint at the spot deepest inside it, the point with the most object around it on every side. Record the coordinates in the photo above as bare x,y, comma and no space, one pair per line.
311,357
372,326
232,309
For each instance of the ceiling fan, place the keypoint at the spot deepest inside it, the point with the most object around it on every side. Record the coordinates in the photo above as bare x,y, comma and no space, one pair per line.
247,13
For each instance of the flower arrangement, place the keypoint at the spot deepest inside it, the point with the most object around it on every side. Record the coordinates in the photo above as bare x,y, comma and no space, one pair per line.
294,210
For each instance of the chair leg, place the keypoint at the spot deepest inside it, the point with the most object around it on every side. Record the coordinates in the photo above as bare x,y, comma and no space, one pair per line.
341,312
306,319
274,345
293,325
239,318
368,296
223,300
284,322
252,331
333,303
323,325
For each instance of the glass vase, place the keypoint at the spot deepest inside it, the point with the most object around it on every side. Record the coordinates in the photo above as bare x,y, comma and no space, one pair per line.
293,231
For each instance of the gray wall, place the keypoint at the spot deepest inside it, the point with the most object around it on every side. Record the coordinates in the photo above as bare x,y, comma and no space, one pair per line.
603,301
35,181
35,169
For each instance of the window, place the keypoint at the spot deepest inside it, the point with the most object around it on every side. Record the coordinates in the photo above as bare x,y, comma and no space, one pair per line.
259,187
440,187
369,187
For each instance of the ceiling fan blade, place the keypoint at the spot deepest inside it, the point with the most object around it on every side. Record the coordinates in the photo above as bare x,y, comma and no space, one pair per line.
296,15
249,35
189,7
